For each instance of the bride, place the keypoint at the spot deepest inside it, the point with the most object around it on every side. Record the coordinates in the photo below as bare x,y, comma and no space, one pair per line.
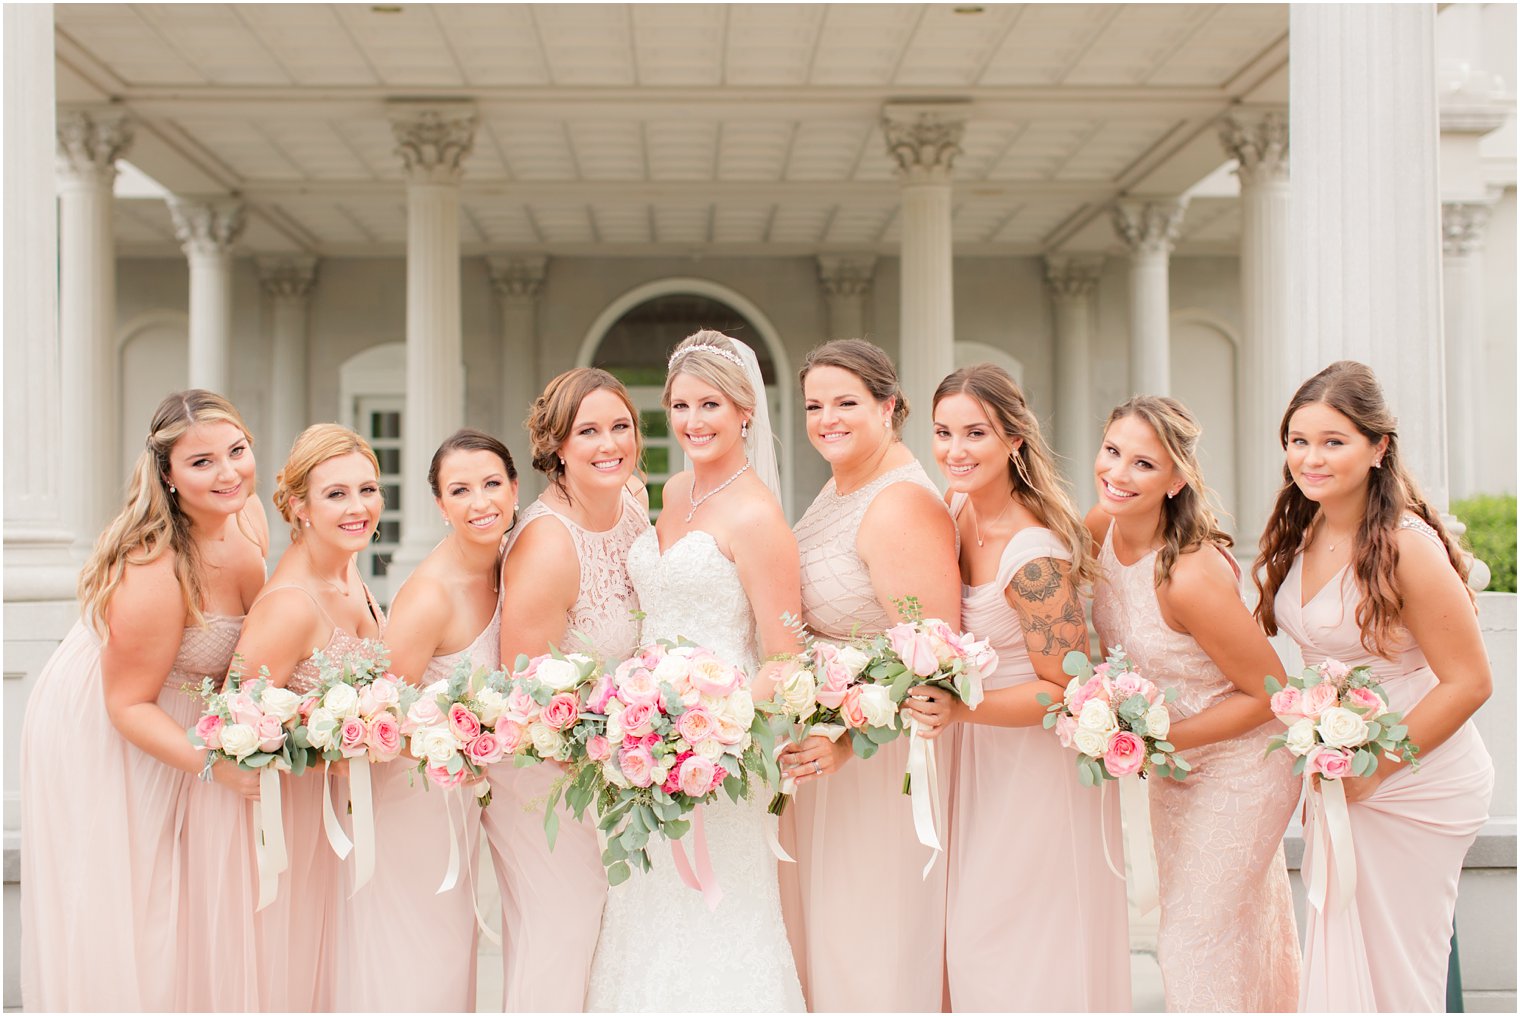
720,568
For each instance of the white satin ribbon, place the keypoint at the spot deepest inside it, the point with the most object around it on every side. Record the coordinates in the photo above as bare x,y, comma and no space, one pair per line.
336,837
1332,846
269,836
923,785
1144,883
361,797
451,876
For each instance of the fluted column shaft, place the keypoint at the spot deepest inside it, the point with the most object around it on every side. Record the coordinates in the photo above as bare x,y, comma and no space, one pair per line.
517,282
287,282
1365,211
925,143
846,283
1462,227
1149,230
1263,385
90,140
432,142
1072,280
207,229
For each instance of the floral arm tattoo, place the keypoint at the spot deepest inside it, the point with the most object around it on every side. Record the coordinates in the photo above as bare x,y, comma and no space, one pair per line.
1049,608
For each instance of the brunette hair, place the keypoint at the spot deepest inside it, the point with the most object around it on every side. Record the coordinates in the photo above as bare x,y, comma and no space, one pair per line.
1037,484
315,445
693,356
553,416
867,361
1189,519
1351,389
468,440
152,522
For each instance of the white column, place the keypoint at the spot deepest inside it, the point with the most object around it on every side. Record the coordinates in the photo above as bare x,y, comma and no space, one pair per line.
432,141
89,142
846,283
1149,229
1072,280
518,281
1462,226
1263,385
38,529
1365,211
287,281
924,140
207,229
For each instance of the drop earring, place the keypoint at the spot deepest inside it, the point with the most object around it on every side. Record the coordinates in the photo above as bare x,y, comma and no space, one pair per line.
744,429
173,489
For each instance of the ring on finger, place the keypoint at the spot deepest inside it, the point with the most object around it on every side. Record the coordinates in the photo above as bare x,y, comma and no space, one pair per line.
817,768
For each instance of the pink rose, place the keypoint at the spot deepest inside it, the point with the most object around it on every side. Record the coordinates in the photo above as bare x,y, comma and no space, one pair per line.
562,711
1365,698
1335,670
1094,688
601,694
1331,763
637,765
209,729
271,733
916,651
849,709
638,720
243,710
520,706
1066,727
711,676
598,749
1103,668
1317,699
639,687
384,737
307,706
696,725
650,739
485,749
441,776
463,723
1125,755
1286,704
351,736
510,735
696,775
1127,685
423,713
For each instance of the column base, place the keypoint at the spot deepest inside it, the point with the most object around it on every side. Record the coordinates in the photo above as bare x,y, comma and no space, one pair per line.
40,566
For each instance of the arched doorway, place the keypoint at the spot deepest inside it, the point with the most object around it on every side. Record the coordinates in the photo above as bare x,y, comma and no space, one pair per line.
632,340
1203,379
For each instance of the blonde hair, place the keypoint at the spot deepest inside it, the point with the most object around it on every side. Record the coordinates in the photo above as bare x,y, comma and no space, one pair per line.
317,444
1189,519
1037,484
870,363
727,376
553,414
152,522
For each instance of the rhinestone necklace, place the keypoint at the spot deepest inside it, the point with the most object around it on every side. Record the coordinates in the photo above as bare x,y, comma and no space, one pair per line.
697,502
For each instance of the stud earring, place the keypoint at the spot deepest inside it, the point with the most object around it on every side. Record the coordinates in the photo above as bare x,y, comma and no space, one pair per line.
744,429
1173,493
445,520
1376,464
306,523
173,489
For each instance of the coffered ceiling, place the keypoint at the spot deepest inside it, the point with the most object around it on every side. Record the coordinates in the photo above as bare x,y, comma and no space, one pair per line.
638,129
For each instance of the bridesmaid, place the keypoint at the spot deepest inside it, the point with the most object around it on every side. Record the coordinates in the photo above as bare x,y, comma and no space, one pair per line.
877,532
1017,903
1169,593
1358,568
447,612
329,493
106,768
564,583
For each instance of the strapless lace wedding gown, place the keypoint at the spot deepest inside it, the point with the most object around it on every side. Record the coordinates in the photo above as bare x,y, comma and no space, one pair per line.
661,949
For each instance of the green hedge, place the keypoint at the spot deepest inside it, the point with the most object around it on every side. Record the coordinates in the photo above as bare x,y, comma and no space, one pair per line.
1490,521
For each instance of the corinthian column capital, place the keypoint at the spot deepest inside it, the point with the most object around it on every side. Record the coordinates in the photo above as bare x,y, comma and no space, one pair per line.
433,140
1259,144
90,140
846,276
207,226
1463,224
1073,276
924,139
288,278
1149,226
517,278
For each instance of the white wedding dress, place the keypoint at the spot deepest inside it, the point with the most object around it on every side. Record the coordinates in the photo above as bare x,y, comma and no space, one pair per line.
661,949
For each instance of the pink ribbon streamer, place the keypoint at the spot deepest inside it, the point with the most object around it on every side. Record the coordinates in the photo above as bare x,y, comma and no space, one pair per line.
703,879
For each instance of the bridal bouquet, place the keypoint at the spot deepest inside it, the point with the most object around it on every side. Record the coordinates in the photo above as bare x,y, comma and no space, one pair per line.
676,724
1115,719
255,724
1338,722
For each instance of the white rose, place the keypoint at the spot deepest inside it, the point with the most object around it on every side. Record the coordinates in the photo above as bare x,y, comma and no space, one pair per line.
546,741
712,749
876,705
239,740
322,728
1158,722
853,660
581,660
1341,728
436,744
1072,687
559,675
613,773
1301,736
341,700
1092,742
799,692
489,703
1097,717
740,708
672,668
280,702
615,731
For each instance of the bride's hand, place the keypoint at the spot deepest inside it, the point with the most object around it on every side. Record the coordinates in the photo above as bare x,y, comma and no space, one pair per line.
816,756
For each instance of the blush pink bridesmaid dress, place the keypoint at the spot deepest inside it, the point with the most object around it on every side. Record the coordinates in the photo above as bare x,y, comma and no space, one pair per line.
1035,920
553,899
399,924
1227,940
282,958
867,928
1387,950
103,833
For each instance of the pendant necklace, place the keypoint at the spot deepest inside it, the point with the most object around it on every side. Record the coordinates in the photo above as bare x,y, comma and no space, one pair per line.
697,502
975,522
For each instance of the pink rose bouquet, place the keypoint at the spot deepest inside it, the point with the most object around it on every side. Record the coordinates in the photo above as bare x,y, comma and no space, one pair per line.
357,709
252,723
1338,722
1115,719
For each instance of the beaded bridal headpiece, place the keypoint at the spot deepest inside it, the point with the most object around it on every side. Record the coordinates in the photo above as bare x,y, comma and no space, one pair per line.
728,355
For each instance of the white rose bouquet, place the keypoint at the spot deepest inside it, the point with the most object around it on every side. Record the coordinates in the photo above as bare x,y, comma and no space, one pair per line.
1338,722
253,723
1115,719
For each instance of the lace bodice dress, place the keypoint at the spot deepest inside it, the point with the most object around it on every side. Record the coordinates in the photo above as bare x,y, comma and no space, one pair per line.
1227,940
661,948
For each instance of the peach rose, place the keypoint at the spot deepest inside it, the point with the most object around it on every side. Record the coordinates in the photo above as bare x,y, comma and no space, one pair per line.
597,748
638,720
696,775
637,765
638,687
561,712
696,724
849,709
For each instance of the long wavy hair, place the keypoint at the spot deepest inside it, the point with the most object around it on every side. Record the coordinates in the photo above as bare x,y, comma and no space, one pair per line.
1351,389
151,523
1037,484
1188,520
